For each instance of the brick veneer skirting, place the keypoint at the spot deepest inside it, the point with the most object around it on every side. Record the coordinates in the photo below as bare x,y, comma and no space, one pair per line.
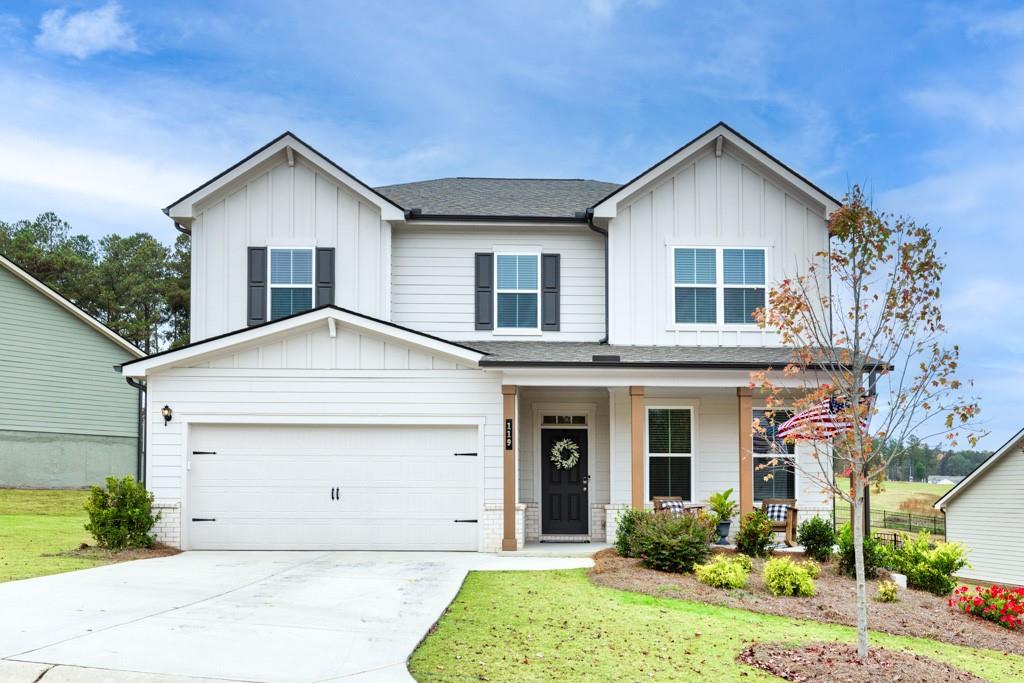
493,528
167,530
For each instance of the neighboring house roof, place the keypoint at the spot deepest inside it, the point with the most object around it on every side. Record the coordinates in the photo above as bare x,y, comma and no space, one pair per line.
1008,447
182,208
581,354
70,307
499,197
140,367
606,207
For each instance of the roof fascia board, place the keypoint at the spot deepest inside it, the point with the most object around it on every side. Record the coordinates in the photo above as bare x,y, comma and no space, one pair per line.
183,209
634,376
978,471
67,305
279,328
608,207
497,222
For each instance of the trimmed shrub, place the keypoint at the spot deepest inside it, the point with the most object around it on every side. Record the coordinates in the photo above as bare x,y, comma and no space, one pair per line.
121,516
674,543
812,567
888,591
817,537
929,566
625,531
755,537
743,561
1004,606
724,571
874,553
784,577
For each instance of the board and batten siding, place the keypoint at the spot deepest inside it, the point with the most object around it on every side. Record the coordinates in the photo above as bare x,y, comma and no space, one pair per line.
432,286
56,372
707,201
987,517
278,205
308,377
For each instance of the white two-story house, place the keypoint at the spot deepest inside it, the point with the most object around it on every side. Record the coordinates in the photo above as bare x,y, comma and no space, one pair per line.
472,363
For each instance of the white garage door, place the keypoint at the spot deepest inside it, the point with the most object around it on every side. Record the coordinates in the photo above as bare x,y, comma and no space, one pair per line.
327,487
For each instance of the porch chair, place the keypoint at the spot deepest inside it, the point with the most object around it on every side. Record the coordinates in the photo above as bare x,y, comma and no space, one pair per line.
782,513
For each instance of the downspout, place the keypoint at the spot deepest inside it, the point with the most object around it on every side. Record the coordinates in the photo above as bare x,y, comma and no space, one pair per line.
141,455
589,215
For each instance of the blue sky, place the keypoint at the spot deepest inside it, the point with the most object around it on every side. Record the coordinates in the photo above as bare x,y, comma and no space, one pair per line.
109,111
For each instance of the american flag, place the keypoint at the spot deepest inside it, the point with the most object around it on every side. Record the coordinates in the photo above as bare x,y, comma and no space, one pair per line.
822,420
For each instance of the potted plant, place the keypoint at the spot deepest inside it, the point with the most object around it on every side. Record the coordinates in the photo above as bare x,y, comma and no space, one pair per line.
724,509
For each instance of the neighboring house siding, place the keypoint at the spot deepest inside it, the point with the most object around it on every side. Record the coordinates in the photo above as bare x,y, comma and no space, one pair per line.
987,517
66,418
285,206
433,286
308,377
707,201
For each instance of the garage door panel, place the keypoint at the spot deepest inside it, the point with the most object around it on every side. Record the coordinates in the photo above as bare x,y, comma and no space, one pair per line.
270,487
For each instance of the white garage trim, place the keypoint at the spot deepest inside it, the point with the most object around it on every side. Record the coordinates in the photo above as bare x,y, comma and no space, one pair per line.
333,421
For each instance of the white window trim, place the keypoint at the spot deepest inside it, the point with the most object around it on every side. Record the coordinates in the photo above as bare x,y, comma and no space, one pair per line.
537,292
692,455
754,456
271,287
719,287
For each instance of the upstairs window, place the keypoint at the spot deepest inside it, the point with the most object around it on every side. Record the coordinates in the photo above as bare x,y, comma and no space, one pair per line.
713,286
742,268
669,452
695,286
517,291
773,458
291,282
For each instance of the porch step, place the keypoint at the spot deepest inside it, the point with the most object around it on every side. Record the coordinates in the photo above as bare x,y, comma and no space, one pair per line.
535,549
564,538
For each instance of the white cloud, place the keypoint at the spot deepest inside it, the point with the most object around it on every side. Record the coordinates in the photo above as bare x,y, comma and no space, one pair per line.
86,33
1009,23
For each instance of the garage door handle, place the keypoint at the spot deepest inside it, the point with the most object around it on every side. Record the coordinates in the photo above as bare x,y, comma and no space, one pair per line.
204,519
465,455
465,521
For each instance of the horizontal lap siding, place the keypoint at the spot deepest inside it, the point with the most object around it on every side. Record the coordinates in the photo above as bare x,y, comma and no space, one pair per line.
988,517
707,201
433,285
328,380
57,371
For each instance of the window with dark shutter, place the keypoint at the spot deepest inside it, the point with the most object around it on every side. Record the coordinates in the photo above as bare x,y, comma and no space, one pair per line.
257,303
324,276
551,279
773,461
483,296
670,452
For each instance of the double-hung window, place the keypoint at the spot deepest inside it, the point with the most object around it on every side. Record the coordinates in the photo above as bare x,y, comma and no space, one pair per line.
670,452
774,467
713,285
695,286
291,281
517,291
743,282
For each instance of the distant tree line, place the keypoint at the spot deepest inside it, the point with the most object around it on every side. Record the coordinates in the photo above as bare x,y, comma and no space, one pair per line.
135,285
918,461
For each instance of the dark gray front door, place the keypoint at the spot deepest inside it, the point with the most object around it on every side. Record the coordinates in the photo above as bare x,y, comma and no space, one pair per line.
563,491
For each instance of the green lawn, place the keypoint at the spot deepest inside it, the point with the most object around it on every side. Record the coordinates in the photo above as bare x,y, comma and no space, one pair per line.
897,492
543,626
36,523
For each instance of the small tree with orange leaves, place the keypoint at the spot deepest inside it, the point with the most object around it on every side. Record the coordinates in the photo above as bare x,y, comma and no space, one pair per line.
866,314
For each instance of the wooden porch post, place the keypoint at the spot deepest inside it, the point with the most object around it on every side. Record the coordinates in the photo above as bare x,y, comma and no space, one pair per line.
508,503
746,444
636,423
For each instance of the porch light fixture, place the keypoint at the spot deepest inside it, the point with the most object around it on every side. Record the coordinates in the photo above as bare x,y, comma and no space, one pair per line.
167,413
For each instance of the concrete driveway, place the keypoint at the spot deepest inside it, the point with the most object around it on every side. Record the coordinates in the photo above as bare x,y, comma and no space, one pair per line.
239,616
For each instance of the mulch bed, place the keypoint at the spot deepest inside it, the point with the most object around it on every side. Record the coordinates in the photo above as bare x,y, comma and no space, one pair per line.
93,553
831,662
917,613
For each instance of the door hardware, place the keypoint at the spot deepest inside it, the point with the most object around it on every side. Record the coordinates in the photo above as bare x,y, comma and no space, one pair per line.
204,452
204,519
466,521
465,455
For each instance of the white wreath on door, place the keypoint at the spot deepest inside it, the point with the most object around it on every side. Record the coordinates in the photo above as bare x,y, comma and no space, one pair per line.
565,454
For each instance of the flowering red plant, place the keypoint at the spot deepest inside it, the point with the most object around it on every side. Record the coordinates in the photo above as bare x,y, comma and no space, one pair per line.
1005,606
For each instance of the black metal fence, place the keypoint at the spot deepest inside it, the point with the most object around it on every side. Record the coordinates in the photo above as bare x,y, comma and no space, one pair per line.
894,521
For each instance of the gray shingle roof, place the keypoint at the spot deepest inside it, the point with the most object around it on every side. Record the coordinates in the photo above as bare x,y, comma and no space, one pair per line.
528,197
582,353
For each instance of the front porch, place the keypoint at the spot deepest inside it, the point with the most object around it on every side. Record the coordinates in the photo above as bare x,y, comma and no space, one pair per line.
668,436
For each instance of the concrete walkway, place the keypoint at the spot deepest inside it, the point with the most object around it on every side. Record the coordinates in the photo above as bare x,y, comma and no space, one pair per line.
236,616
